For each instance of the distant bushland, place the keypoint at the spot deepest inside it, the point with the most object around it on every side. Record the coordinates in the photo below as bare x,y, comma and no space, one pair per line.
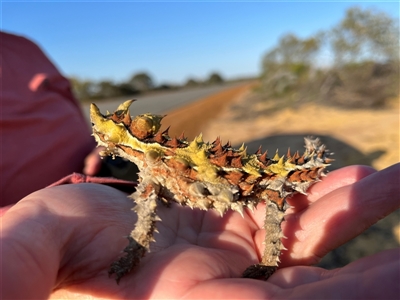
139,83
364,71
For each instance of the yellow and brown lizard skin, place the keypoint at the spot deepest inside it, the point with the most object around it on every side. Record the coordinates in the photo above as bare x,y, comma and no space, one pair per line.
203,175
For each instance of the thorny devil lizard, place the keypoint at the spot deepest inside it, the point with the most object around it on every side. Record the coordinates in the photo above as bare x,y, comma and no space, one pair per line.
203,175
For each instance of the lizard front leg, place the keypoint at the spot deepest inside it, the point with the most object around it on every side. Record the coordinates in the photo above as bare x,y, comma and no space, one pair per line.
146,197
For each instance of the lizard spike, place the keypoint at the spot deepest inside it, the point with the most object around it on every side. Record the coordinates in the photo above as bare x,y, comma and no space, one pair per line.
276,156
174,143
194,145
218,149
296,156
263,157
165,132
217,141
250,206
301,160
182,136
259,151
203,204
242,151
237,162
199,139
329,160
288,153
282,247
237,206
221,209
220,160
281,235
127,120
125,106
159,138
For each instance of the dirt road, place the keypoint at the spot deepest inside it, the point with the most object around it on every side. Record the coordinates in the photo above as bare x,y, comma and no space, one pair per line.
160,102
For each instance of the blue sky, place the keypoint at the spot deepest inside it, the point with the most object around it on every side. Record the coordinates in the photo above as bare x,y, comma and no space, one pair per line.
172,41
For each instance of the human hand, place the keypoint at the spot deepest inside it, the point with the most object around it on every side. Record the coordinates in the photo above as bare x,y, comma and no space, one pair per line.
60,242
93,162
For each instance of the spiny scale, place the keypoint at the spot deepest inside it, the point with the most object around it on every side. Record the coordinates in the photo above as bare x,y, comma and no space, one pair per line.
203,175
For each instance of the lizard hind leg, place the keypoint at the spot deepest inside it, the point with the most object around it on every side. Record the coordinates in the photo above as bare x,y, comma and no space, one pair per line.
146,197
273,245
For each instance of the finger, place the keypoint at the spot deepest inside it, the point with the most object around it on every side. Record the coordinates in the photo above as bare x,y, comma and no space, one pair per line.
46,238
92,164
230,288
294,276
4,209
340,216
373,277
339,178
334,180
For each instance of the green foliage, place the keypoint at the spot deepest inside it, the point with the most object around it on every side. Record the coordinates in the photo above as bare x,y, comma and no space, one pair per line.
126,89
215,78
288,66
86,89
365,45
82,89
137,83
141,82
292,49
106,89
192,83
364,35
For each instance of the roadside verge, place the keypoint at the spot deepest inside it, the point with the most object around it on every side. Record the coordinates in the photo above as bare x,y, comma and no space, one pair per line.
193,118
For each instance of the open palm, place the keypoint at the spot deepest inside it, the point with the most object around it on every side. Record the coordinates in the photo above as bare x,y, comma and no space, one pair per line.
66,238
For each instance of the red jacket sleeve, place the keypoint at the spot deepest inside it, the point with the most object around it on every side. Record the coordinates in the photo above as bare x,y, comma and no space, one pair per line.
44,135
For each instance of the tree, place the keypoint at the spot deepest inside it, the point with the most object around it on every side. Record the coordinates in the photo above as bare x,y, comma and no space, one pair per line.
126,89
366,50
82,89
107,89
293,50
192,83
141,81
365,35
215,78
288,65
365,45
